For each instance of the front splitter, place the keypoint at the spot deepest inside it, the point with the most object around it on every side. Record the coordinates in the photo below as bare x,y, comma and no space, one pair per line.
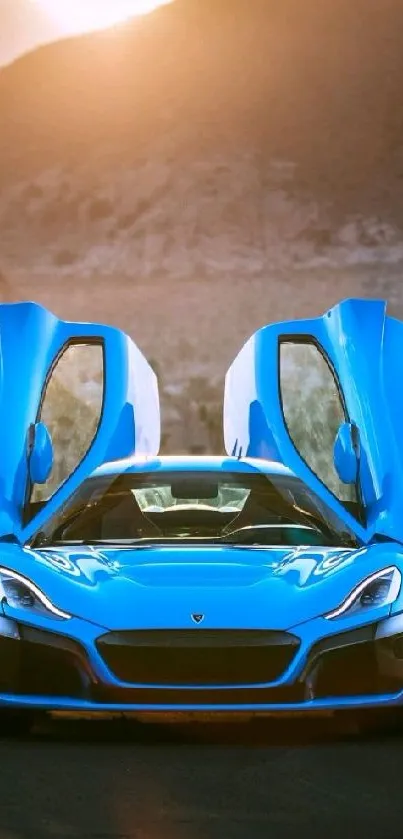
314,706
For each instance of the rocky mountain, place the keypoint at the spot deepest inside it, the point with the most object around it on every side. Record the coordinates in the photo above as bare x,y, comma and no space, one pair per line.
208,135
197,172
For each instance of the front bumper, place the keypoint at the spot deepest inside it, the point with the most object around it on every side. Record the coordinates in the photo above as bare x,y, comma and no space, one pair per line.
355,668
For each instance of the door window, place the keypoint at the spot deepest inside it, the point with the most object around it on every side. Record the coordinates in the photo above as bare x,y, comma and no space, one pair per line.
313,410
71,409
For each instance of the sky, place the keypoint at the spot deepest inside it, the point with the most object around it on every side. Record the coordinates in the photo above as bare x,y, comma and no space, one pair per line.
25,24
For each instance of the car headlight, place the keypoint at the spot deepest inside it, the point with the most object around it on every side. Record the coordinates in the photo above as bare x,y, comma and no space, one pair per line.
19,592
379,589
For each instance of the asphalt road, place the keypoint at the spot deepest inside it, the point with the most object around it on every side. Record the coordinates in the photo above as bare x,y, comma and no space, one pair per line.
97,780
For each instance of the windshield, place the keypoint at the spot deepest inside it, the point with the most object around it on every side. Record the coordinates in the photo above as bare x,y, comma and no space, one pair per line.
238,508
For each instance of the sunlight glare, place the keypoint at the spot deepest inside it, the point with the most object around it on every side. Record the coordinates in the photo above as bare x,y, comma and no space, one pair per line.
74,16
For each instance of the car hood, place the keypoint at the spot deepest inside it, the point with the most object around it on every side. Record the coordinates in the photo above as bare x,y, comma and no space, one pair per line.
233,587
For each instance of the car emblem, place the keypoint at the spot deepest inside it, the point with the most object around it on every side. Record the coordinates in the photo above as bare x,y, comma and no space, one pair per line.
197,618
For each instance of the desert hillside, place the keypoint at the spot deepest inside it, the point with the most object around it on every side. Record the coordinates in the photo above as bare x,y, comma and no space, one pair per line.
198,172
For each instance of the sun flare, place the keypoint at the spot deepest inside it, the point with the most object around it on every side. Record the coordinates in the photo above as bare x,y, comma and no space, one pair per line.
73,16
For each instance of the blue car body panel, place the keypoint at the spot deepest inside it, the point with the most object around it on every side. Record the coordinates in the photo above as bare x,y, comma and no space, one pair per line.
31,341
114,591
156,587
363,347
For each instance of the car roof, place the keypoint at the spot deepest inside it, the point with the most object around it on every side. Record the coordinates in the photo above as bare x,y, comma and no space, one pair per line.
183,463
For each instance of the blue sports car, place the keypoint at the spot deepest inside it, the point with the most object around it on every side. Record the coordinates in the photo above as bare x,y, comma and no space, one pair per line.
265,580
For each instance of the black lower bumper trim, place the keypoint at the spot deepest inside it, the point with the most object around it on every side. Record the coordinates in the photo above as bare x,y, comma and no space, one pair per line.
353,663
190,696
43,663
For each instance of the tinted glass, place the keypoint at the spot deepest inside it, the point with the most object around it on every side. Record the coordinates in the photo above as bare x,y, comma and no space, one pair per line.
202,505
313,411
71,409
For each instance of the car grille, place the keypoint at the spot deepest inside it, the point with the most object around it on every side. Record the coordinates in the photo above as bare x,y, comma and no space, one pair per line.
198,657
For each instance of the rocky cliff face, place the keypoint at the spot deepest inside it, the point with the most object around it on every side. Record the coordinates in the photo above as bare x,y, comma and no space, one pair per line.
214,137
215,215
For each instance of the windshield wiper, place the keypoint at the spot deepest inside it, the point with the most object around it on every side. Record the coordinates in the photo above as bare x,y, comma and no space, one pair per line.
251,533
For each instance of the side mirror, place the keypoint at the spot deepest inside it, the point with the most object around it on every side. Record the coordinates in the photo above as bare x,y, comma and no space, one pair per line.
40,453
346,453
